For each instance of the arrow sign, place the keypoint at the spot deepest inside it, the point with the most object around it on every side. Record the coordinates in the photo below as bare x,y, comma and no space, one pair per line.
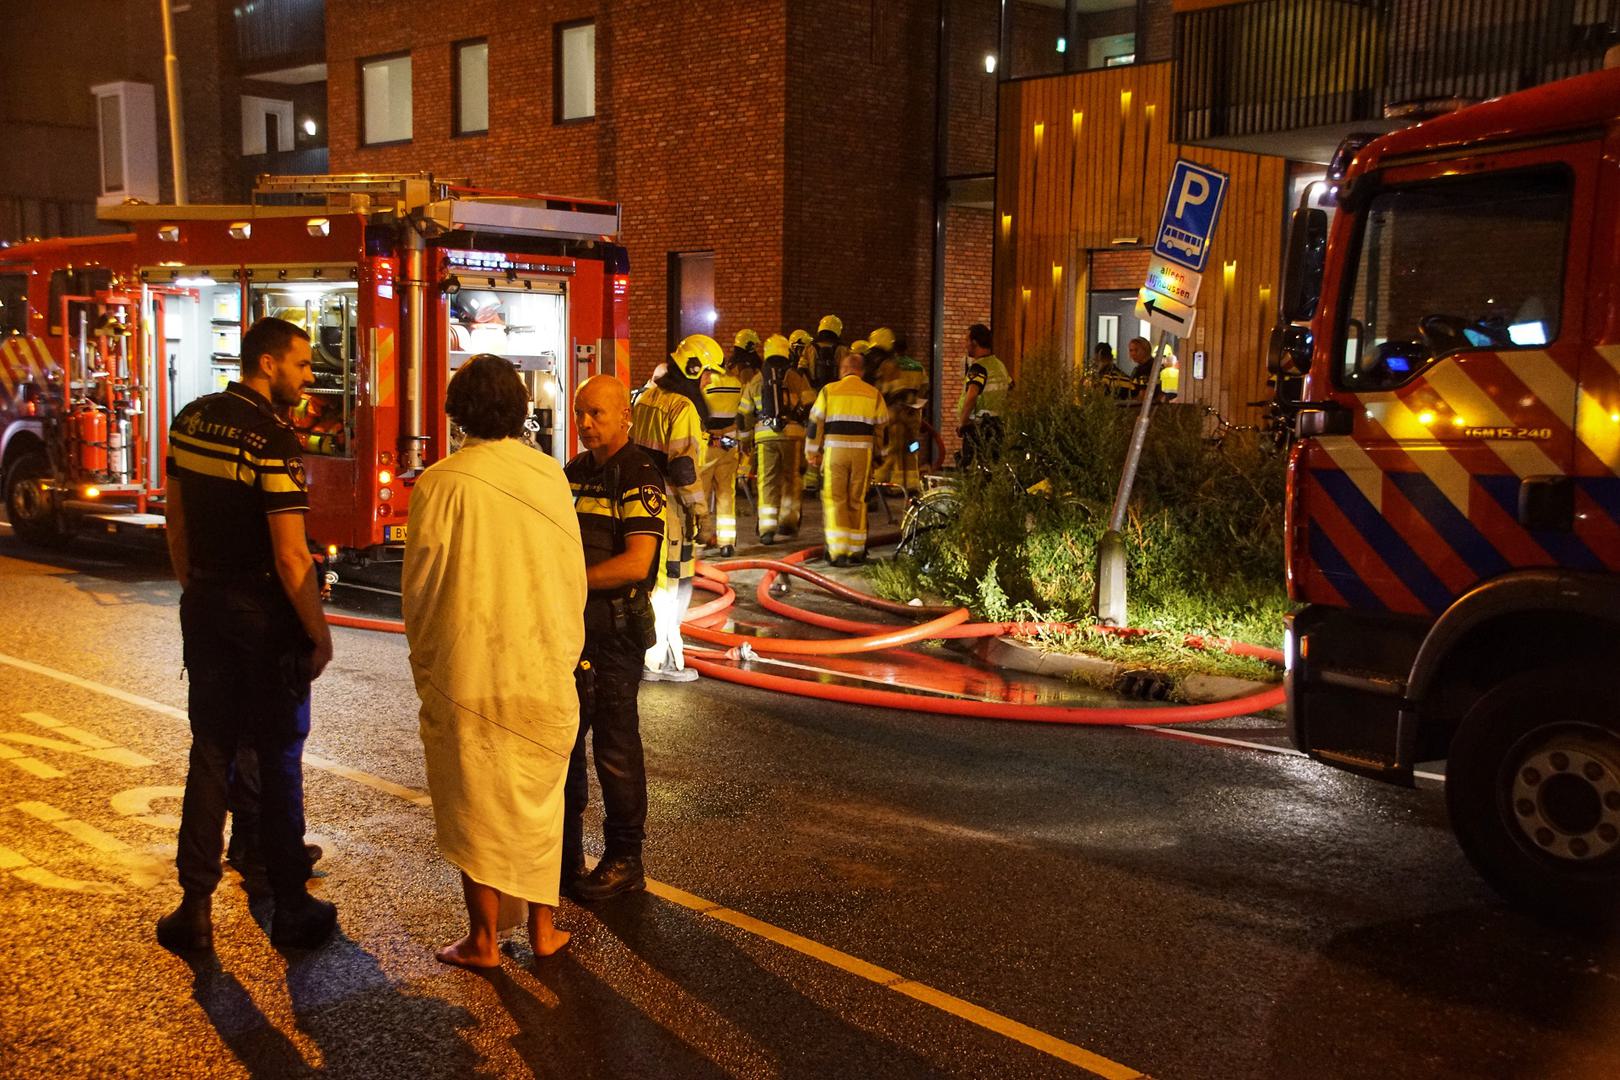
1164,312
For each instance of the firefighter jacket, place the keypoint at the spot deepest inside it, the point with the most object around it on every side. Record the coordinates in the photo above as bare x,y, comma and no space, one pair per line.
903,383
666,425
848,414
722,393
795,391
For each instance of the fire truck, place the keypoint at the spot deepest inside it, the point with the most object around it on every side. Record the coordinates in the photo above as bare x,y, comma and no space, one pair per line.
1454,496
398,279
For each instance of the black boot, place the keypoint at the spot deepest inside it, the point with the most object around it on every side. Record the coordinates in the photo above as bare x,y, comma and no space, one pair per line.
189,927
302,922
615,874
573,873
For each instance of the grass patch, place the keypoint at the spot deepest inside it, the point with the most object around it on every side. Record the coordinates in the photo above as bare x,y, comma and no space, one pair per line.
1204,534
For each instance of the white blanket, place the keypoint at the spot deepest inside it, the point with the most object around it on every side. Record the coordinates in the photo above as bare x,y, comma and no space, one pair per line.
494,600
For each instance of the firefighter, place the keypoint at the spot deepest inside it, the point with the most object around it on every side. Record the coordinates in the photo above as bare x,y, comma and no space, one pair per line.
254,634
722,392
773,409
826,352
846,425
904,385
984,398
863,348
666,424
745,348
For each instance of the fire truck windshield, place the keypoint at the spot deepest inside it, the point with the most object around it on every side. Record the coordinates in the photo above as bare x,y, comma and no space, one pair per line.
1454,264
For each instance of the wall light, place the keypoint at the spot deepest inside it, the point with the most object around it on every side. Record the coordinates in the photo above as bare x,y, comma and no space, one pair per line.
1063,44
990,63
309,126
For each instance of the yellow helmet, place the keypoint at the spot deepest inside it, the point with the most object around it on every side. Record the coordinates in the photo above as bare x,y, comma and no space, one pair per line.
882,338
799,337
699,351
861,347
777,345
832,324
746,339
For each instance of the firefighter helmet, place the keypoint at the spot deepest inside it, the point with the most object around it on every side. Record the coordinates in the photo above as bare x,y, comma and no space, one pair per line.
882,338
861,347
746,339
699,351
800,338
777,345
830,324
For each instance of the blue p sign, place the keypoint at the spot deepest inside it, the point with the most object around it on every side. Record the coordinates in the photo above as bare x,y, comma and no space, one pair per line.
1191,208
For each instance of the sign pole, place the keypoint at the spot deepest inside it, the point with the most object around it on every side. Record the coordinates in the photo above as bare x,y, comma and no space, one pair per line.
1111,602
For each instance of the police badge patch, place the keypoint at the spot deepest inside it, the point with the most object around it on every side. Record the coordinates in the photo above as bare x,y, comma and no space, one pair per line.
295,469
652,497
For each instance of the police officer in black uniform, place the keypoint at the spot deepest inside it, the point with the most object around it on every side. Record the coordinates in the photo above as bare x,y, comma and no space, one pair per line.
254,633
619,497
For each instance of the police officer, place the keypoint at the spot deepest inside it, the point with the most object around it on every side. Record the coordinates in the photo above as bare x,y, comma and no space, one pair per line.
254,634
620,498
984,397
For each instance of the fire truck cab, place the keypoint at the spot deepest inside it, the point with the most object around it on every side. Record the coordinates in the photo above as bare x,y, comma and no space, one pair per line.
1454,497
397,279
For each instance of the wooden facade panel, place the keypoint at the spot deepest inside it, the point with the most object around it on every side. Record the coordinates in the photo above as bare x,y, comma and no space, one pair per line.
1082,167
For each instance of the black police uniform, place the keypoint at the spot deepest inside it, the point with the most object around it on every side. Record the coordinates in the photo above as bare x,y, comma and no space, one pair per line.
615,499
246,653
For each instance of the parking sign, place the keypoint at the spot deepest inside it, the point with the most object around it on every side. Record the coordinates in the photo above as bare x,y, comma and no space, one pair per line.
1192,206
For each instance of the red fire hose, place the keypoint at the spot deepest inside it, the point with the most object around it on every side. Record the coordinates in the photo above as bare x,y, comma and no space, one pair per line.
704,623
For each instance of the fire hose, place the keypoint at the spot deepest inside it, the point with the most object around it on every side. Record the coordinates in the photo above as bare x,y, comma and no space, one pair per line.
704,622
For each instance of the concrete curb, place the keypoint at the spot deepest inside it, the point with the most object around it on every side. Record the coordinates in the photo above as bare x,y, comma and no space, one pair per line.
1016,656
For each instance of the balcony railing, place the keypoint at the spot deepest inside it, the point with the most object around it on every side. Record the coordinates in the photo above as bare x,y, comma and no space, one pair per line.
1274,66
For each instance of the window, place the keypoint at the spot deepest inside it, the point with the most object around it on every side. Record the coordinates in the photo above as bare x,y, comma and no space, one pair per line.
13,305
385,100
575,65
112,143
1475,263
471,105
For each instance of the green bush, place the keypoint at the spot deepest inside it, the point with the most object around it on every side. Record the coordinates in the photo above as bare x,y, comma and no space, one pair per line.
1204,533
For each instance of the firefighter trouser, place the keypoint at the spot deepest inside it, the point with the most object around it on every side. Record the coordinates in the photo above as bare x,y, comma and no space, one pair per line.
845,472
899,465
247,664
719,477
608,715
779,484
673,593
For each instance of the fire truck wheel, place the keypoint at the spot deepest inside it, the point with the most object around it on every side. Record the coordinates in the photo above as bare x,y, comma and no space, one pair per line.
1533,790
33,515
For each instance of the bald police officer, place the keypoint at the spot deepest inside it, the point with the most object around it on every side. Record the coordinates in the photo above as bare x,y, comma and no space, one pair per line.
254,634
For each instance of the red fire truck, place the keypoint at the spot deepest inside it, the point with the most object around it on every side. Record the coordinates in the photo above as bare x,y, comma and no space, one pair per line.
398,279
1454,498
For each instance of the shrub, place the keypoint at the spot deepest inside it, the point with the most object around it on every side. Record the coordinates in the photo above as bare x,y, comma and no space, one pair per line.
1204,531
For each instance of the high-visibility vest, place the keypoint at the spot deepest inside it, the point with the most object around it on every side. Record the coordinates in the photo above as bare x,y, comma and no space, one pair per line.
847,413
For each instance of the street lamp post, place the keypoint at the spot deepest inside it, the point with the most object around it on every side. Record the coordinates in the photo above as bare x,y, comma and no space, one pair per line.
177,123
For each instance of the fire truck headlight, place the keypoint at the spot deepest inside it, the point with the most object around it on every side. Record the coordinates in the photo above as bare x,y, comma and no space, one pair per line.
331,551
384,476
92,493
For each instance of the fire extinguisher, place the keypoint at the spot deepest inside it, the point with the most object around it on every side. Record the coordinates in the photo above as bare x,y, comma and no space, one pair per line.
92,432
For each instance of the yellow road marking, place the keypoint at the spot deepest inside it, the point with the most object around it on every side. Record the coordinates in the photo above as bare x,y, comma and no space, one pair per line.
10,860
853,965
32,766
144,871
38,875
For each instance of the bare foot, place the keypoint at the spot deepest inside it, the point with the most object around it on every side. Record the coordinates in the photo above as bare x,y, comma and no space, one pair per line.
544,937
462,954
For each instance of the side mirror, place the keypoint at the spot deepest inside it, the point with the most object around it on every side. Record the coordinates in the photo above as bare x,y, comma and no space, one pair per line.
1326,418
1289,350
1302,267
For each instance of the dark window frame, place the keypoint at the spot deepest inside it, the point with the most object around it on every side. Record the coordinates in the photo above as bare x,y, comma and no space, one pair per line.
557,30
360,97
456,47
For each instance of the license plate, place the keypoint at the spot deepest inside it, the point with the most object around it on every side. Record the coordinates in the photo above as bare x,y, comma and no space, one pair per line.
394,534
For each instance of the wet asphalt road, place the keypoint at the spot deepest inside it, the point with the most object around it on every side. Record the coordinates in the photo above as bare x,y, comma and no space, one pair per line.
1180,909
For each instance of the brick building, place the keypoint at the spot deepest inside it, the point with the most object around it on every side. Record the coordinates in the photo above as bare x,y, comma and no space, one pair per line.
776,160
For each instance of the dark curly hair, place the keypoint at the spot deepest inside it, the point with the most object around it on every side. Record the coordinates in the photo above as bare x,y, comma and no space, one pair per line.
487,399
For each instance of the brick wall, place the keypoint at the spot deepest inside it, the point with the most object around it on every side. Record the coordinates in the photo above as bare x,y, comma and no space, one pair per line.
969,239
971,136
689,140
860,151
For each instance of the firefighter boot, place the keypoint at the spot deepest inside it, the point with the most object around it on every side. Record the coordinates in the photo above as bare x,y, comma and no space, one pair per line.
189,927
